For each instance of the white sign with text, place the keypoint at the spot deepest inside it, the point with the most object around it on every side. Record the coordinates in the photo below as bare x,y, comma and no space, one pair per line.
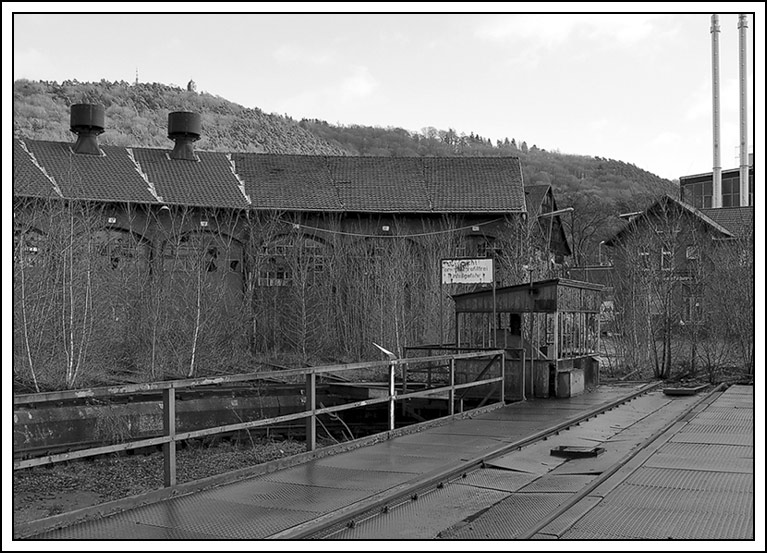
467,271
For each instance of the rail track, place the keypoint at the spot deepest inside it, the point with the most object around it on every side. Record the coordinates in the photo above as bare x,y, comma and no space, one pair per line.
424,503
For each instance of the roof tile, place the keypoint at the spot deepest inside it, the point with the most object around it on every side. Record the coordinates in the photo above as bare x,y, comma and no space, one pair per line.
738,220
28,178
111,177
290,182
208,182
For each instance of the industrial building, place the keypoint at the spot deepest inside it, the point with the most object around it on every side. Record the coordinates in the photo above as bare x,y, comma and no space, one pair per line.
172,253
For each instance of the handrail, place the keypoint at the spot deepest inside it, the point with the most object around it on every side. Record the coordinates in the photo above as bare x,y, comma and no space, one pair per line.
86,393
171,436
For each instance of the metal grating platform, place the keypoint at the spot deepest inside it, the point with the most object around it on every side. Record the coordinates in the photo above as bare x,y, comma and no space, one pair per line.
561,524
333,477
289,496
703,501
509,518
686,490
684,479
384,463
122,529
497,479
425,517
221,518
551,483
617,522
714,457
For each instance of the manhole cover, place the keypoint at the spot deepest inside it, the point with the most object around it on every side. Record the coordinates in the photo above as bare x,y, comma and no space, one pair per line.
576,452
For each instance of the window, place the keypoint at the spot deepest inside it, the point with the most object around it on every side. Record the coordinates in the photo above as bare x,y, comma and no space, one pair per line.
287,254
488,248
28,247
209,252
693,310
120,249
666,260
644,259
731,191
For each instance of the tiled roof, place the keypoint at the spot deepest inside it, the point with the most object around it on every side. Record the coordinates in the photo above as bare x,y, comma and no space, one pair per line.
474,184
110,178
290,182
208,182
661,204
380,184
275,181
738,220
28,179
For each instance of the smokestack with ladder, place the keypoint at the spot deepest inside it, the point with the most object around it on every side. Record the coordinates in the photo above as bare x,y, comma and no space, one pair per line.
743,30
716,196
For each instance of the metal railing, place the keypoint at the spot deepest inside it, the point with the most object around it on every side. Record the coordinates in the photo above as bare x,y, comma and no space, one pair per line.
170,436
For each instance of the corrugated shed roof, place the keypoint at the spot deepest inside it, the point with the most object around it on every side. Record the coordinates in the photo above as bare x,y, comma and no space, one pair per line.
109,178
208,182
290,182
738,220
28,178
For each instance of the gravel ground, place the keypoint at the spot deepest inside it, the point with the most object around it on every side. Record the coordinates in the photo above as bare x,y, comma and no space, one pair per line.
45,491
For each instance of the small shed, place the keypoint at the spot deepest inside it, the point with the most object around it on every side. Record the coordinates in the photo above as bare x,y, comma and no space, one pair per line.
555,322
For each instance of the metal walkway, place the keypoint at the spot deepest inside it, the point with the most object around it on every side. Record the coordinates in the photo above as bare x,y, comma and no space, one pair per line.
694,481
273,504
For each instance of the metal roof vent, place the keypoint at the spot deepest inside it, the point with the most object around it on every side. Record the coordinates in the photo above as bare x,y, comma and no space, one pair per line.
87,121
185,128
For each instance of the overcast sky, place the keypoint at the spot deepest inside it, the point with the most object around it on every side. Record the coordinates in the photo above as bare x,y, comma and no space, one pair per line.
634,86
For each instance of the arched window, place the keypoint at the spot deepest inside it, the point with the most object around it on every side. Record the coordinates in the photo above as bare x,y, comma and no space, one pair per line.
27,246
121,249
209,252
287,256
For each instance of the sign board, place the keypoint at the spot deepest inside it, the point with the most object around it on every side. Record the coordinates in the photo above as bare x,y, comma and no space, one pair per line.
467,271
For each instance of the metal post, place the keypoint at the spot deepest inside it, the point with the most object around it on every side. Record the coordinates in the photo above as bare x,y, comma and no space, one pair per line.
169,429
311,406
495,318
599,332
391,396
457,330
441,310
503,376
451,393
523,373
